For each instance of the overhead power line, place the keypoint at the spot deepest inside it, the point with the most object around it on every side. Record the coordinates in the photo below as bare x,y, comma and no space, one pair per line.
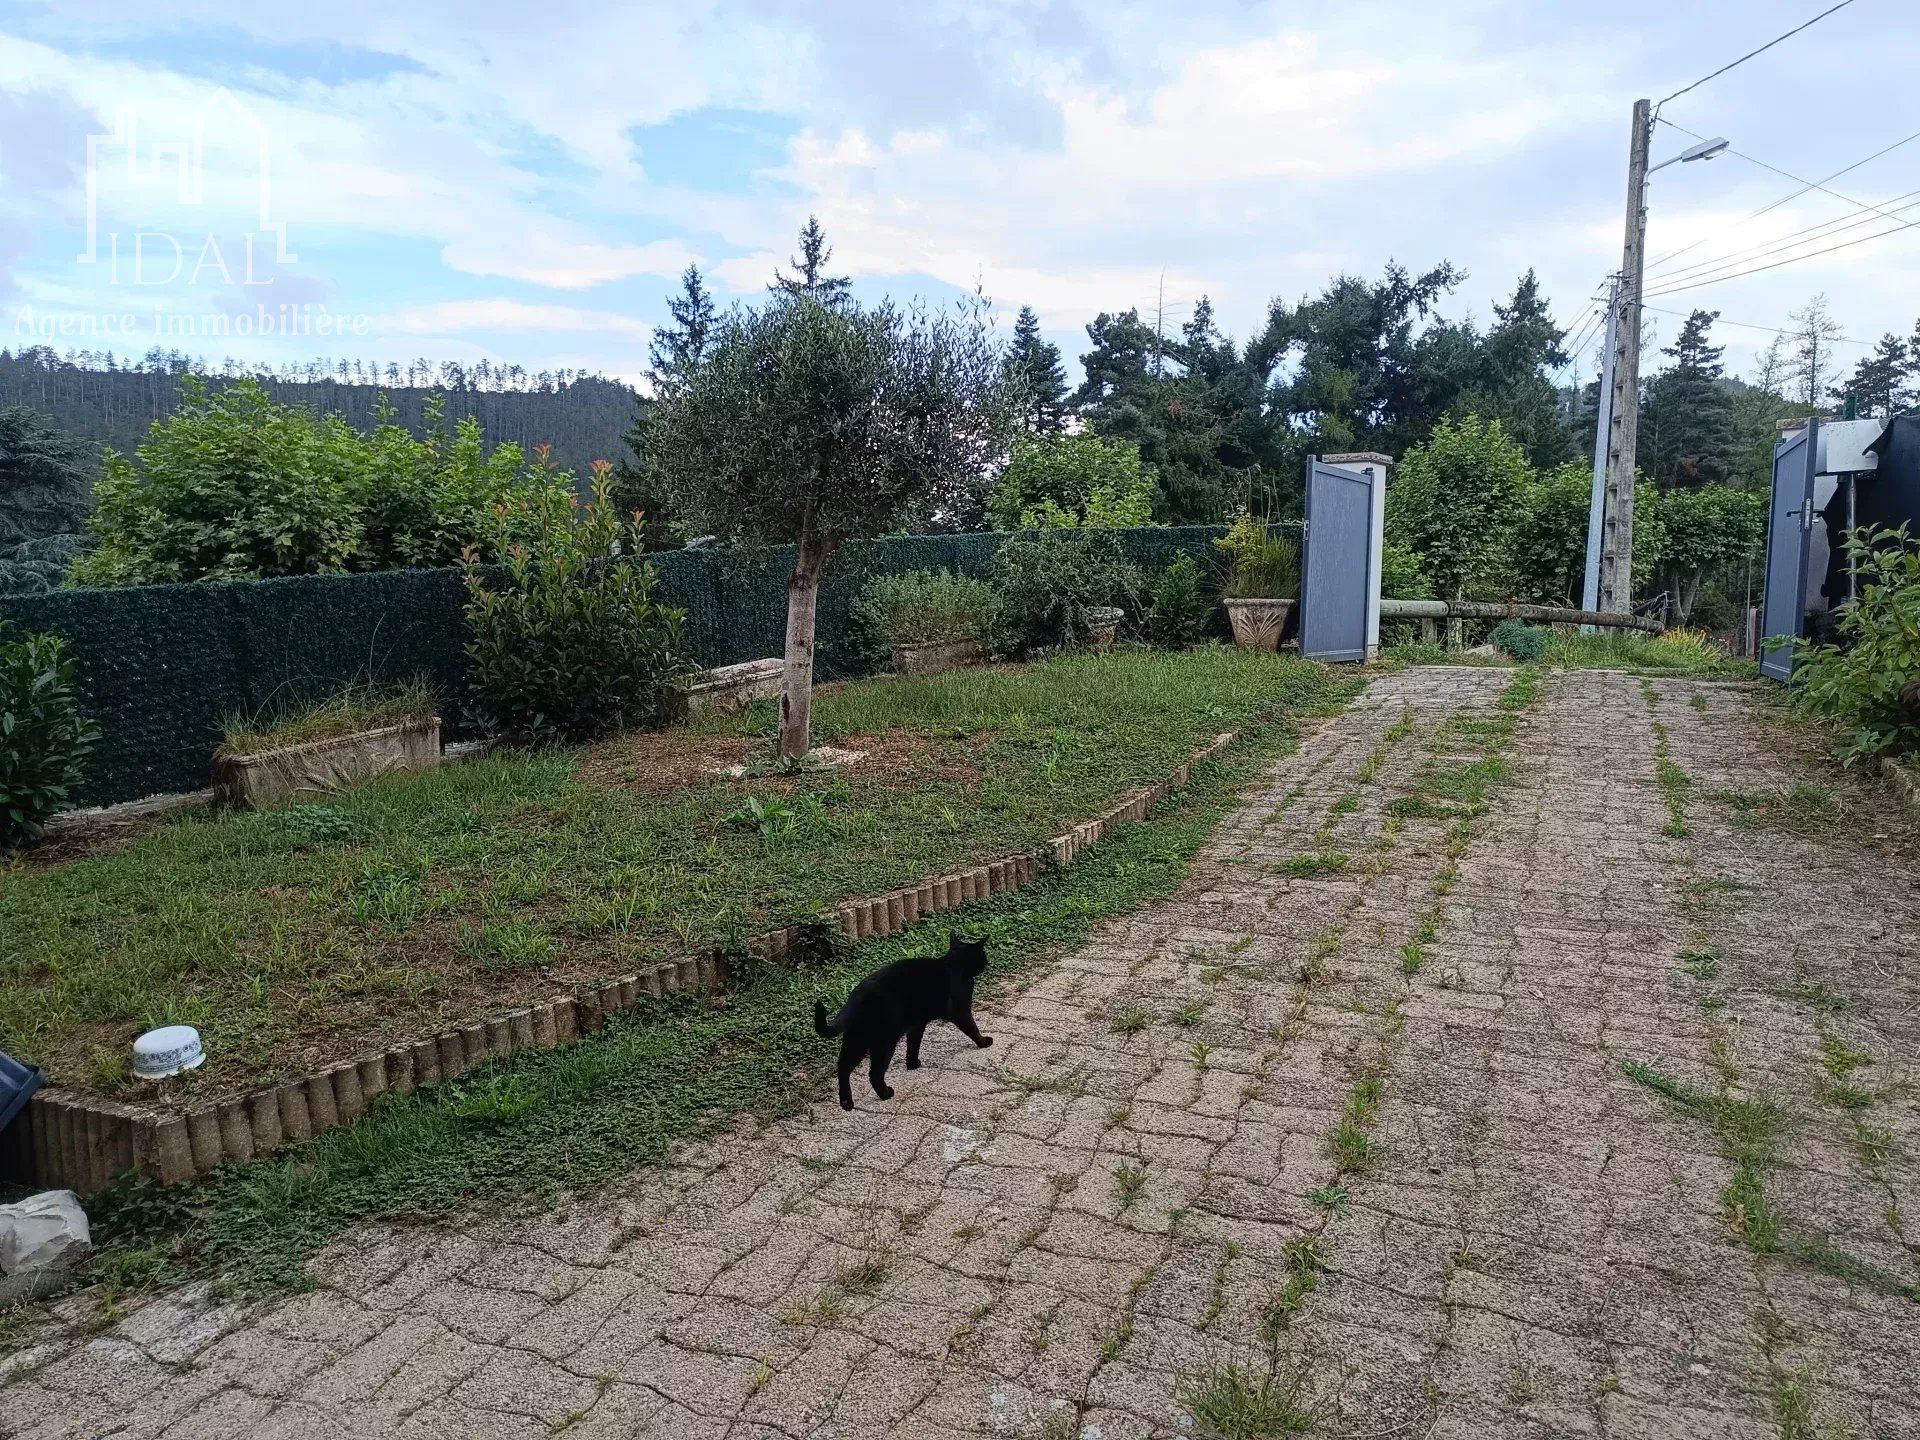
1747,325
1751,53
1805,186
1807,236
1790,260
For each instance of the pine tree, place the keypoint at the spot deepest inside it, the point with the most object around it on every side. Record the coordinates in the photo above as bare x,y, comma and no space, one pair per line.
1687,430
810,265
1523,345
676,349
1035,364
1811,366
1882,383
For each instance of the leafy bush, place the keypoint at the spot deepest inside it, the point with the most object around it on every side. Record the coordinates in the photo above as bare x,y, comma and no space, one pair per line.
926,607
1072,480
43,738
1050,579
570,643
1262,565
1859,681
234,486
1402,577
1180,610
1519,639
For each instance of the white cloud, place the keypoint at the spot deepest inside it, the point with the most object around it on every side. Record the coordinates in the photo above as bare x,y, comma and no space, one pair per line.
453,316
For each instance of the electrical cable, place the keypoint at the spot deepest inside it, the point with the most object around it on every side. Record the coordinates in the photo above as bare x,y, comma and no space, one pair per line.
1751,53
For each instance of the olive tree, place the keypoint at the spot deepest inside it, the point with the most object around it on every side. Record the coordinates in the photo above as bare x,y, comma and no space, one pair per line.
811,424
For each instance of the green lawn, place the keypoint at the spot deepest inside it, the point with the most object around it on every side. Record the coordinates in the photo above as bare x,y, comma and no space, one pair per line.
303,936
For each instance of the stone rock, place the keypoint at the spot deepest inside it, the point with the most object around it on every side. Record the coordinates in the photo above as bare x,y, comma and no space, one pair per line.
43,1232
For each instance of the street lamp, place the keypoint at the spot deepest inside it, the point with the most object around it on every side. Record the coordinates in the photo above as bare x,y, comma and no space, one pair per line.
1705,150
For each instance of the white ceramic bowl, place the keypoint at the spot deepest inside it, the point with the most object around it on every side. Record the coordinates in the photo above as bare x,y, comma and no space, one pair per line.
167,1051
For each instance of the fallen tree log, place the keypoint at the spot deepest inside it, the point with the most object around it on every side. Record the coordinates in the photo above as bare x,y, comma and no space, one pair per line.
1494,610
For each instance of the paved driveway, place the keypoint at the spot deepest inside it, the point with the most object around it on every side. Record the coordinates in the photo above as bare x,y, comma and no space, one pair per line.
1341,1135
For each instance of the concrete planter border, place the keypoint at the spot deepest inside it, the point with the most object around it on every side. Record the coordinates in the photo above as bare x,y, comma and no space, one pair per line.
728,687
936,656
69,1139
326,767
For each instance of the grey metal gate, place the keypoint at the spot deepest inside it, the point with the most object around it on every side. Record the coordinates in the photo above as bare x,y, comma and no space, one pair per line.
1789,526
1336,570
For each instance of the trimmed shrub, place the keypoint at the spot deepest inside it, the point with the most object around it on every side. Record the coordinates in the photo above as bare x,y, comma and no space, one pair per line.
926,607
1518,639
1049,579
1180,610
570,644
1860,681
44,740
1262,565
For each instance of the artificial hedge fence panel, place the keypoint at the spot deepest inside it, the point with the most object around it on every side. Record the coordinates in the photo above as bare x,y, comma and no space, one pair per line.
162,667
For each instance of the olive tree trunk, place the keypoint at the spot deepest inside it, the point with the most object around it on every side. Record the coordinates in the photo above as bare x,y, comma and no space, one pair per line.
796,689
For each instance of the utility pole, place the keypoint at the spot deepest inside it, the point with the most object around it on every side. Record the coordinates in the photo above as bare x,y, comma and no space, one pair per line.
1602,436
1623,423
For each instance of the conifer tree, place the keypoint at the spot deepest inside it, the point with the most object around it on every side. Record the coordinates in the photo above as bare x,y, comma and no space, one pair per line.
810,276
1034,364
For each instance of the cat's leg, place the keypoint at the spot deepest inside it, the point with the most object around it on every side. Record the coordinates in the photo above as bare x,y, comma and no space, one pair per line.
913,1046
882,1057
850,1057
972,1031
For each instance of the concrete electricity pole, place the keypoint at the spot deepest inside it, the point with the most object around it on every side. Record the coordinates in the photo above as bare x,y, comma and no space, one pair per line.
1602,438
1623,419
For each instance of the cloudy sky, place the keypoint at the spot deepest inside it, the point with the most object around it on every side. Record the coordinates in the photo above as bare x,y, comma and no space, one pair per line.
526,182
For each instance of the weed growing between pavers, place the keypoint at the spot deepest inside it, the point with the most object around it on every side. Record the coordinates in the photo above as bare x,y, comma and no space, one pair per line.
1229,1403
673,1070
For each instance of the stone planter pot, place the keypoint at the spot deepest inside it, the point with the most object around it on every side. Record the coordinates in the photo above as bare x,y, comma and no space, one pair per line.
325,767
1103,623
1258,624
729,687
937,655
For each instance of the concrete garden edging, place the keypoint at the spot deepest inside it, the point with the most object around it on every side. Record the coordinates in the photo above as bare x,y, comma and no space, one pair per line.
936,656
72,1140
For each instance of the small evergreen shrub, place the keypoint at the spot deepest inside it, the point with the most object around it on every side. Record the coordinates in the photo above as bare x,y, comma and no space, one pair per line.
570,644
1516,638
1180,610
1049,580
927,607
44,740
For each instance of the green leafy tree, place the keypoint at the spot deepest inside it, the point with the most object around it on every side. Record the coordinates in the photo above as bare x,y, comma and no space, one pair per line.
812,424
1455,502
1687,421
809,277
1071,480
1548,548
1758,408
1051,580
1706,530
1033,365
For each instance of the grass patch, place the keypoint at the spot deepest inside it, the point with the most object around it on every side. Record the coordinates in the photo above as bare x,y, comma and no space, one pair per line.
1673,781
1352,1143
671,1070
1230,1403
1749,1131
362,707
1677,652
1323,862
268,930
1809,811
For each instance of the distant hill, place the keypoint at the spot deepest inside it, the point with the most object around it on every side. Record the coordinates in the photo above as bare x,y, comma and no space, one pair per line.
106,402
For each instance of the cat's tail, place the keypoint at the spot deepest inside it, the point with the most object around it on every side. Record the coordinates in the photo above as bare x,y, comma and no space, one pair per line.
822,1026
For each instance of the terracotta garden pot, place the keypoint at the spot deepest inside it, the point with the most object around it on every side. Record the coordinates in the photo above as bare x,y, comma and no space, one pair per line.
1258,624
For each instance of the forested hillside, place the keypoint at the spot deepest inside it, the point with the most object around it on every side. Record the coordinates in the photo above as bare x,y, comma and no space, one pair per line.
100,401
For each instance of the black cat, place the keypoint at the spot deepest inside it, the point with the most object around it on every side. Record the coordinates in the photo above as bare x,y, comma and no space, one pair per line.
903,999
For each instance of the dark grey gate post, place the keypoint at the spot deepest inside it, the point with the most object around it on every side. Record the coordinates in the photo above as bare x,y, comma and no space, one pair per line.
1783,610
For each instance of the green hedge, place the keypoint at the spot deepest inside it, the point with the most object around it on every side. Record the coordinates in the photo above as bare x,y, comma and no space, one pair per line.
161,667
